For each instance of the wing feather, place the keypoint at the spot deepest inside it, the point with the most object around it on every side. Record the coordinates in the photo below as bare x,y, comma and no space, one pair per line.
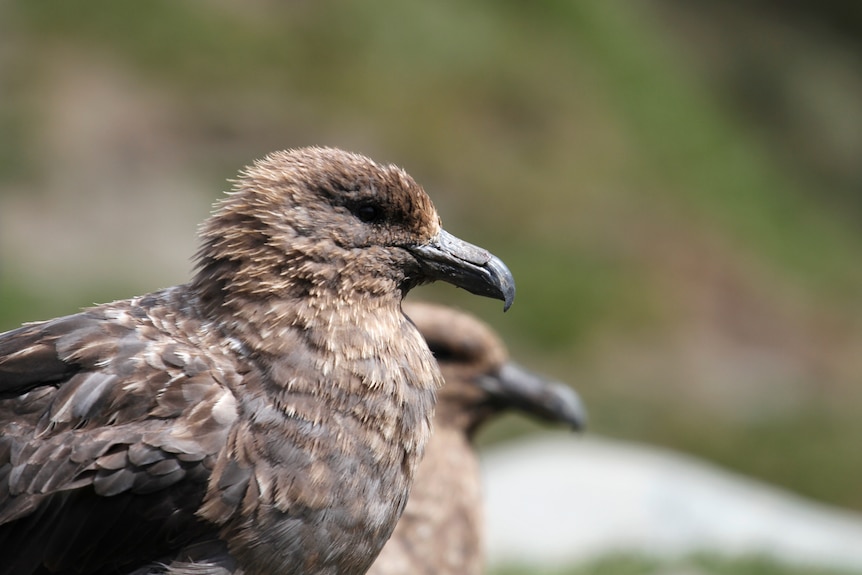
109,430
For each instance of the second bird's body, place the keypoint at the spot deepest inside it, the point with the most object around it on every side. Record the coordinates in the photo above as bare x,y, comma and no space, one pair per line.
441,530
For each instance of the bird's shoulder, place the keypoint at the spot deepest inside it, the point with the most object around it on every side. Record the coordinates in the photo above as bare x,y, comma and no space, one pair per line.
129,396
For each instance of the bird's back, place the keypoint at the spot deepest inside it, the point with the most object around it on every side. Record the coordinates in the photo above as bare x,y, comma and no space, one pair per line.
153,433
109,425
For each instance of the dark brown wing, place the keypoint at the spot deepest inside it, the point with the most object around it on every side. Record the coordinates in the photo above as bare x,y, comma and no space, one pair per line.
109,426
28,356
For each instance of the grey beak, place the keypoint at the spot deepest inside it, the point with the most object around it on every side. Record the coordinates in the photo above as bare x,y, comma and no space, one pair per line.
517,388
449,259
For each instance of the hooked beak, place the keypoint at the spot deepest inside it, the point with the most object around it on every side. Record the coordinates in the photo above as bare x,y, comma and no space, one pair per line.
517,388
462,264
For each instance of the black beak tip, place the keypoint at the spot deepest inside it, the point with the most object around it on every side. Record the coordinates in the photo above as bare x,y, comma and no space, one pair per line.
572,409
464,265
508,298
504,280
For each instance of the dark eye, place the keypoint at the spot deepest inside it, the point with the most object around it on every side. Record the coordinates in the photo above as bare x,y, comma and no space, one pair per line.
368,213
441,352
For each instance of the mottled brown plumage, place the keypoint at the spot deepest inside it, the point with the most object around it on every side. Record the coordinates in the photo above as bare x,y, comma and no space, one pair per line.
440,532
265,418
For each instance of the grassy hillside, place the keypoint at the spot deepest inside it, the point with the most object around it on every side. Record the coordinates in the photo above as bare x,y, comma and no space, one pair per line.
686,277
697,565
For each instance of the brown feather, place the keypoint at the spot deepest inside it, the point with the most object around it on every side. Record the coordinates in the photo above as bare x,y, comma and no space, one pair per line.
440,532
267,417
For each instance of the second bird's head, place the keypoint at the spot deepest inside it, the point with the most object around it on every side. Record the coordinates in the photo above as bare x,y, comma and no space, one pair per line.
482,382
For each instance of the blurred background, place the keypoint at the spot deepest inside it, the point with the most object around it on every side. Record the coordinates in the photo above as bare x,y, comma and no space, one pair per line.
676,186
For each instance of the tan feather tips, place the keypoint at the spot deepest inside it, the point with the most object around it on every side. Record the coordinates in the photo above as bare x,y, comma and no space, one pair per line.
375,193
329,193
295,210
315,220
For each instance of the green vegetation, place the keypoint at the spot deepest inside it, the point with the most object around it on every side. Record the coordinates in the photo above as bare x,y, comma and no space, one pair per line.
639,211
697,565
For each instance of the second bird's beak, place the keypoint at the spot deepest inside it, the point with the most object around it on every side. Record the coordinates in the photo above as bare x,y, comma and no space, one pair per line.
517,388
449,259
